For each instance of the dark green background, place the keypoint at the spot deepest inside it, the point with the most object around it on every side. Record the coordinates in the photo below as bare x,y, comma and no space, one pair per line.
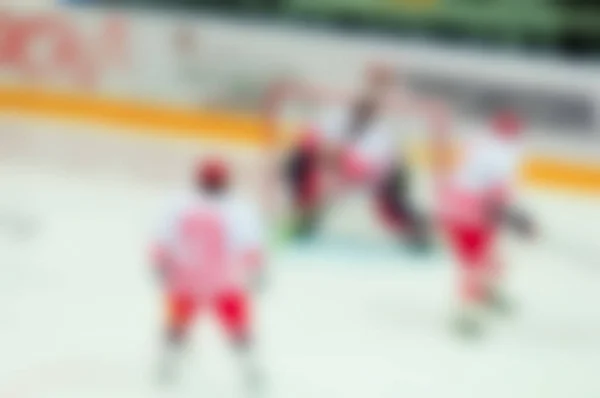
566,27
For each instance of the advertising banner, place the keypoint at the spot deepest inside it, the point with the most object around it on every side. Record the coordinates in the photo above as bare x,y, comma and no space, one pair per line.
54,49
203,64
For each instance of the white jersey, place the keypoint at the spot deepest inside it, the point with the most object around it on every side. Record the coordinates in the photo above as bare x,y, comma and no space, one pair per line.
207,240
487,170
375,148
489,163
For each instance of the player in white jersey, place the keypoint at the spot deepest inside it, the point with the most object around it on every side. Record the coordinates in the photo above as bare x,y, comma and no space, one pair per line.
358,144
208,247
476,199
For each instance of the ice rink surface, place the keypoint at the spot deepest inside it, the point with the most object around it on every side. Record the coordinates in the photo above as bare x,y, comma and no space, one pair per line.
80,311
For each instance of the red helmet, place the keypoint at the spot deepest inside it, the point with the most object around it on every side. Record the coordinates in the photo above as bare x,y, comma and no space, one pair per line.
212,174
507,124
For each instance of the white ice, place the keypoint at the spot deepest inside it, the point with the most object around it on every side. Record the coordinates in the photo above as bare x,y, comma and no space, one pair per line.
80,312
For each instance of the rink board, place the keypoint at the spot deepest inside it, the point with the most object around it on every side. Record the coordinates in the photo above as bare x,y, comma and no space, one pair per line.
540,169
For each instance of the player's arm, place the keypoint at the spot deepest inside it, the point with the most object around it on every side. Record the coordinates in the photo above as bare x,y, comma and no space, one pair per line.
161,255
252,245
501,203
505,174
512,217
161,260
519,221
254,252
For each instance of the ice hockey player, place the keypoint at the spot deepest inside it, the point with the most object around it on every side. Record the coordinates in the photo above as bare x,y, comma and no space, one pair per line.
357,144
477,198
207,250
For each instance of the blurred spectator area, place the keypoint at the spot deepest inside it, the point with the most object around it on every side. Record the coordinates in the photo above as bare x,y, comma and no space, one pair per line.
567,27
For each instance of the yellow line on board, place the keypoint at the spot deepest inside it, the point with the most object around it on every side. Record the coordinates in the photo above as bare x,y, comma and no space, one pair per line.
193,123
551,172
222,126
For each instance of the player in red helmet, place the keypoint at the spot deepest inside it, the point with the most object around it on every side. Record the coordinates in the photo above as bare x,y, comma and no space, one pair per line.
212,175
476,199
207,248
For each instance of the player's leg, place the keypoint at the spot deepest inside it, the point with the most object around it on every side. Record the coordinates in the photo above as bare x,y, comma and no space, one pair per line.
471,244
519,222
303,176
497,298
233,311
396,210
181,310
